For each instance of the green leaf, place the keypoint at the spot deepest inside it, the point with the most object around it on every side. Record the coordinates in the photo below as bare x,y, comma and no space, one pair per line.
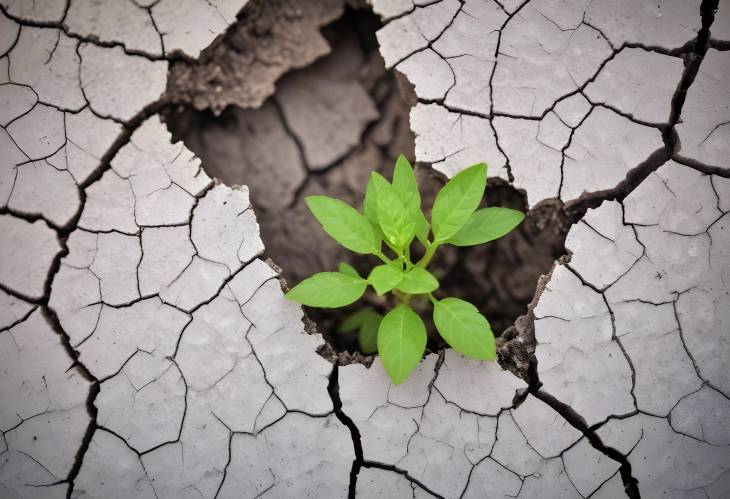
422,227
385,277
464,328
370,204
348,269
418,281
395,221
457,200
486,225
344,224
368,337
366,321
353,322
401,342
328,290
406,186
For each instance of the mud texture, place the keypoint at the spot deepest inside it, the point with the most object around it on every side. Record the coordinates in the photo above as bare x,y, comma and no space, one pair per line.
270,38
262,148
146,349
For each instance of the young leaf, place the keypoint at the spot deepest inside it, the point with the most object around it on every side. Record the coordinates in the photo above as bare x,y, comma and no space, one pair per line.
384,278
348,269
457,200
328,290
370,204
401,342
366,321
344,224
368,337
486,225
464,328
395,221
418,281
406,186
422,226
355,321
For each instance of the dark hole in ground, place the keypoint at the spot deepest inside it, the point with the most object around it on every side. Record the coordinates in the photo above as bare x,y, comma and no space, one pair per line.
327,126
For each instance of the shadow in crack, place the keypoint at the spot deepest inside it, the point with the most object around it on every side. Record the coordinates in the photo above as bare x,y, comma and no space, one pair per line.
323,131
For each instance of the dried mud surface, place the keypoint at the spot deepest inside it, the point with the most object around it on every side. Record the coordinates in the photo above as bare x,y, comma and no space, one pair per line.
499,277
145,342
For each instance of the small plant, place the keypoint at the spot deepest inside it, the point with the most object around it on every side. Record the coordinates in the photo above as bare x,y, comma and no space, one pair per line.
392,214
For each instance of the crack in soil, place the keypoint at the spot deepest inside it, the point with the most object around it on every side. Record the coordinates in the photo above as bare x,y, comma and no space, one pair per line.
334,391
387,138
631,484
229,147
50,315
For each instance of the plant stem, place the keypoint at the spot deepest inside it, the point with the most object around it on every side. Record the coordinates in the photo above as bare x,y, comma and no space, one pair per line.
382,257
409,264
401,297
430,250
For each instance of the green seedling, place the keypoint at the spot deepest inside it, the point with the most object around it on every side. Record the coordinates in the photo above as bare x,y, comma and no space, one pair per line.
366,322
392,214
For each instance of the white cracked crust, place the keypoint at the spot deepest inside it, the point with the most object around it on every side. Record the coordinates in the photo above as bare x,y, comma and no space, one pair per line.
704,132
155,29
580,101
452,441
645,352
147,350
181,337
561,99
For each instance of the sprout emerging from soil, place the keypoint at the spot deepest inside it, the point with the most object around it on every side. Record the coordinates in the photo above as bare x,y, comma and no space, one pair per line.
393,214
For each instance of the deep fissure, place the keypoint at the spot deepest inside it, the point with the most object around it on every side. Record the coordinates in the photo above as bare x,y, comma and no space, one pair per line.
269,150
